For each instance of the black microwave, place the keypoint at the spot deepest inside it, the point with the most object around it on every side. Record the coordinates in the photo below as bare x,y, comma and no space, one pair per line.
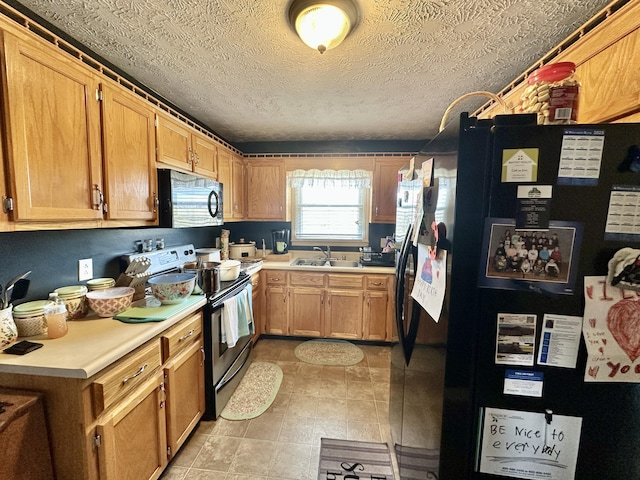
188,200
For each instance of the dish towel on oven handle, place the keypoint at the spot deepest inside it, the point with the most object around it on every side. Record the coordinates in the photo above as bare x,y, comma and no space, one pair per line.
237,317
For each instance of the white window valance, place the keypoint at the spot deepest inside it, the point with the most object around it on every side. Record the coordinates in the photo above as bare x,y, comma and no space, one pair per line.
329,178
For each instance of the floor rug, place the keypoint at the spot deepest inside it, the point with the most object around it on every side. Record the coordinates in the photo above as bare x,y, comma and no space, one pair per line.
329,352
363,460
255,393
418,463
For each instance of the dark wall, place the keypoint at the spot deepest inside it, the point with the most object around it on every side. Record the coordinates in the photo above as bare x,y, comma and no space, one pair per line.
52,256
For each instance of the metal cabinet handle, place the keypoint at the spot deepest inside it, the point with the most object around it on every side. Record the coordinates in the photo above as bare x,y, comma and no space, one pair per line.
377,284
164,395
196,158
139,372
190,159
184,337
98,197
203,357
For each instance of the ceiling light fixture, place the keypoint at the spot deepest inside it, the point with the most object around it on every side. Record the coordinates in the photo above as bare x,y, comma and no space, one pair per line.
323,24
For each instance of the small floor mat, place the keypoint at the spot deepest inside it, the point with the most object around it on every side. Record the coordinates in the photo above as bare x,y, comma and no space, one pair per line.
364,460
418,463
329,352
255,393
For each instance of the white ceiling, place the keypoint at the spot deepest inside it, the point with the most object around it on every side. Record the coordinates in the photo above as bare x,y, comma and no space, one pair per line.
238,67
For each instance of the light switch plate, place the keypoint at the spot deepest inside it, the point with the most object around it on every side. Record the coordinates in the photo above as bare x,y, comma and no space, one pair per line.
85,269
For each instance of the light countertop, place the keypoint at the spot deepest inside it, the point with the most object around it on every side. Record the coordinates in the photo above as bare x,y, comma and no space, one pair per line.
91,344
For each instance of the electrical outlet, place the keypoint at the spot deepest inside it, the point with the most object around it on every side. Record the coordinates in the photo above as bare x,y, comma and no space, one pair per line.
85,269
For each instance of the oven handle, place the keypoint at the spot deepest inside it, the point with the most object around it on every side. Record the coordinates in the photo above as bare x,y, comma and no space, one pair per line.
228,377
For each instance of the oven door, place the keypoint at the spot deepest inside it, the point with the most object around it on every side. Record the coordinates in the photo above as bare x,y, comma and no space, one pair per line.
222,356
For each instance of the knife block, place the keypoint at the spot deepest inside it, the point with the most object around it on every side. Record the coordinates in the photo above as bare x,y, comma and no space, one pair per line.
137,283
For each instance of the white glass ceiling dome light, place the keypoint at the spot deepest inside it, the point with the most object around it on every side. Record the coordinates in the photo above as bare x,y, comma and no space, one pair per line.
323,24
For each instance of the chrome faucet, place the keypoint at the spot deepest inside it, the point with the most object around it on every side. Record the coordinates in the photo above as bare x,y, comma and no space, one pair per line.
327,253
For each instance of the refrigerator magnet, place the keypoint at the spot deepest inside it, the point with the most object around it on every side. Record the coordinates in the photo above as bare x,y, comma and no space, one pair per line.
519,165
516,339
523,383
533,207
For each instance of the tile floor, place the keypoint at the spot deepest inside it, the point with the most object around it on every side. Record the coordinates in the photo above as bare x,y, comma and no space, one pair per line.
314,401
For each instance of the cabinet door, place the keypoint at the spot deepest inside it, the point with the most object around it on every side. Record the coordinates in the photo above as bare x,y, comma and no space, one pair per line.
205,156
129,147
184,376
4,191
133,442
53,124
265,191
258,297
276,311
174,143
306,312
375,315
238,193
226,179
343,314
384,194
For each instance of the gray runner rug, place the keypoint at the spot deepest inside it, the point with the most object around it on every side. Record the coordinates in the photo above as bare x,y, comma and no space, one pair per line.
361,460
418,463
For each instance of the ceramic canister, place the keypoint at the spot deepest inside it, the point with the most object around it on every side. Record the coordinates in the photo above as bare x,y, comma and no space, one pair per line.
8,329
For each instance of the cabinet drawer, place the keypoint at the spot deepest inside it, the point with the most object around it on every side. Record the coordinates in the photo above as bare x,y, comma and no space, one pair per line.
337,280
109,387
181,335
276,278
306,279
377,282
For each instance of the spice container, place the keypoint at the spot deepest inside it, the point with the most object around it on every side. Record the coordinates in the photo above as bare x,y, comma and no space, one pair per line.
552,93
55,314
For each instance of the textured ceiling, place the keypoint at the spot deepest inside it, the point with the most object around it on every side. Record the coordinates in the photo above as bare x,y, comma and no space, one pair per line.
238,67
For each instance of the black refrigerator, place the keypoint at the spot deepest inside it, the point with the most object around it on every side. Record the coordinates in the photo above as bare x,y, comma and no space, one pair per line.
540,211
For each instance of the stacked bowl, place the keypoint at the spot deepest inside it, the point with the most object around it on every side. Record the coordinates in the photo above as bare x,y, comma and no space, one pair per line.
100,283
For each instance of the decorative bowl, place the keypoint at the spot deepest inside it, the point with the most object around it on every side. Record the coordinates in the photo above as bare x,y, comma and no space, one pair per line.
172,287
110,301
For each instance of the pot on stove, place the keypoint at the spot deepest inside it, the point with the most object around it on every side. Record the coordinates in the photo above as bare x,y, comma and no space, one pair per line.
210,273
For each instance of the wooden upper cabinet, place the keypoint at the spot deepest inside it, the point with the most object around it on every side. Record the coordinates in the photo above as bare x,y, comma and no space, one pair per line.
205,155
4,217
52,117
184,149
129,156
226,179
384,192
238,194
173,143
266,190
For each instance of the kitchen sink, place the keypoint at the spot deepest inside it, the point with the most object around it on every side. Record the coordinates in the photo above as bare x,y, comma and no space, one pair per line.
343,263
309,262
322,262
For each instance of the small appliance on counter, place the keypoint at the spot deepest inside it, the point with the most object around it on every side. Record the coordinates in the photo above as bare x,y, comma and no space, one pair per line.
280,240
242,249
379,259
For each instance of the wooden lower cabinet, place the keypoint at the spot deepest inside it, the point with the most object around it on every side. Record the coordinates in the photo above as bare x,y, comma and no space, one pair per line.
328,305
257,304
344,314
129,419
184,386
306,311
276,313
131,439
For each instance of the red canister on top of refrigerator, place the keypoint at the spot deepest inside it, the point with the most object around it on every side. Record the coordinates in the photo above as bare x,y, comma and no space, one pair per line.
552,93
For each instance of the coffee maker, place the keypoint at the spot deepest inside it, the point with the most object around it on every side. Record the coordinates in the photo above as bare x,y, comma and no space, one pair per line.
280,241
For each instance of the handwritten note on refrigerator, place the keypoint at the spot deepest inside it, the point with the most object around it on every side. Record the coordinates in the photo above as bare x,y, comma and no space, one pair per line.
530,445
